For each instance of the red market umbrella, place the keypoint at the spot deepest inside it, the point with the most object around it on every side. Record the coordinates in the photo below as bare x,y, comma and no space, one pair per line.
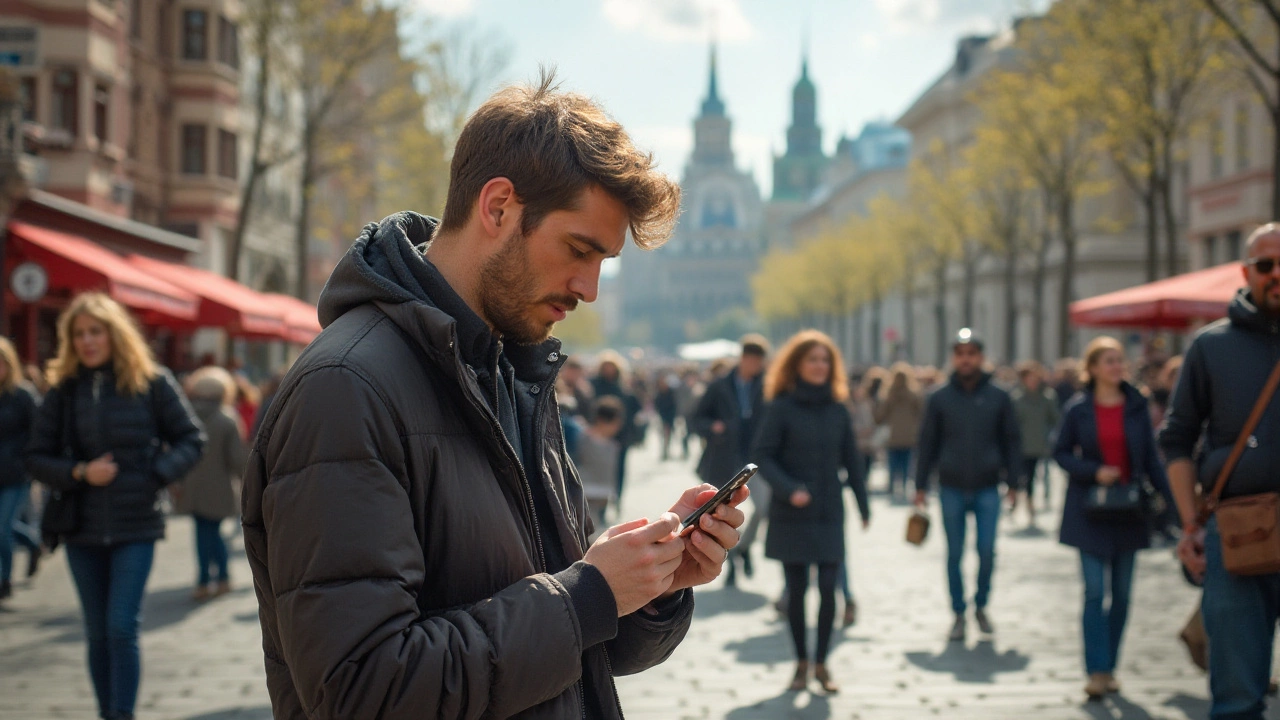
1174,303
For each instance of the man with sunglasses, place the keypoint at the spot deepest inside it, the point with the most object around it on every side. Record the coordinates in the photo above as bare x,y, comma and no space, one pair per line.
1222,377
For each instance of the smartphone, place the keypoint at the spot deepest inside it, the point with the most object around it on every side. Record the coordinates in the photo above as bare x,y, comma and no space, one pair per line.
722,496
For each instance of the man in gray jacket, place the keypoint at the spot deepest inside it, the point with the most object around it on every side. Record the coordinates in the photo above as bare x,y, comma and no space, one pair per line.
970,436
417,534
1222,377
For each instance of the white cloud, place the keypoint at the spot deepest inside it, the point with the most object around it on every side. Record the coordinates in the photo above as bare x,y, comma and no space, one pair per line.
680,20
905,16
446,8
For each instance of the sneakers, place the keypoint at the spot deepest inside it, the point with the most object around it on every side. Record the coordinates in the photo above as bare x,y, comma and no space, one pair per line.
984,623
850,614
957,630
1113,685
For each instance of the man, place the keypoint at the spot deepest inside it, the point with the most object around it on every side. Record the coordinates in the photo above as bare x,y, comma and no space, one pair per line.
727,416
1038,414
1222,376
417,536
970,435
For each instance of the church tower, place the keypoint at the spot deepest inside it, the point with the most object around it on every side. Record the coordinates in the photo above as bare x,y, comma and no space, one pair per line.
712,128
797,173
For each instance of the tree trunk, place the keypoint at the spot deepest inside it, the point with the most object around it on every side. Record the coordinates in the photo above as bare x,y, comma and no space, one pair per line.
1011,300
303,236
876,356
1041,273
1152,214
940,312
908,335
970,261
1066,292
262,46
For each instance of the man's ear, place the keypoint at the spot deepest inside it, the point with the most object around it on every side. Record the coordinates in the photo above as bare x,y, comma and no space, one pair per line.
498,207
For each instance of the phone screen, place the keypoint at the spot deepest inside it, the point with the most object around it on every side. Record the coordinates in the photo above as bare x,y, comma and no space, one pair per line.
720,497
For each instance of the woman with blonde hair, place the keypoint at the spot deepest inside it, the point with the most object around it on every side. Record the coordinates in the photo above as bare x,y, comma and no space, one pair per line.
208,493
17,410
1106,438
901,408
113,431
804,441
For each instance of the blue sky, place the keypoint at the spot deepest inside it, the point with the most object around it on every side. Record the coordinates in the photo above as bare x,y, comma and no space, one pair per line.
645,61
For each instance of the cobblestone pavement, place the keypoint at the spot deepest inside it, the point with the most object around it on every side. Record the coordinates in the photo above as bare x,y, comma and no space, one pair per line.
203,661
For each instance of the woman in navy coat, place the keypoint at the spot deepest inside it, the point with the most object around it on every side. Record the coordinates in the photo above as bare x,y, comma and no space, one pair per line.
1105,438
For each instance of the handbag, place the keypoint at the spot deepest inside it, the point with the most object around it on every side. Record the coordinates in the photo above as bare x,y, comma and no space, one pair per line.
1132,501
918,527
1249,525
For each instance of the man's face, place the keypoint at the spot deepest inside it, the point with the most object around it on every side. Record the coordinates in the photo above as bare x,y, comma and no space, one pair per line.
750,366
536,280
967,360
1264,288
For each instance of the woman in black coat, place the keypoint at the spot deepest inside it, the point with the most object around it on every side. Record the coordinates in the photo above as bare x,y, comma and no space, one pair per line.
17,410
113,431
1105,438
804,441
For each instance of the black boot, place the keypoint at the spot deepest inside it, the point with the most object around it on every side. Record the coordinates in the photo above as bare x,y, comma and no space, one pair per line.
6,590
731,577
33,560
746,564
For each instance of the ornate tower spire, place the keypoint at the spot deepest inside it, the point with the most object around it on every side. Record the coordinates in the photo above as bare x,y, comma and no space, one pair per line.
713,105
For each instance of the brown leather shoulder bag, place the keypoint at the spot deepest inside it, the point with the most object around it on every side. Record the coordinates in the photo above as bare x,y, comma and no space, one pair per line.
1250,524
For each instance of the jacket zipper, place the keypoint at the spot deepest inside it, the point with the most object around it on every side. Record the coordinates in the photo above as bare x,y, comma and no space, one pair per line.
608,666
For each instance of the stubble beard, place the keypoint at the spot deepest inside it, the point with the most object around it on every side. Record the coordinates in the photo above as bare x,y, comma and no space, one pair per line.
508,295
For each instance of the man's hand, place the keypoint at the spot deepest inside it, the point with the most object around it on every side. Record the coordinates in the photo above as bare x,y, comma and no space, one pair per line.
922,498
718,427
801,498
709,544
1191,553
639,560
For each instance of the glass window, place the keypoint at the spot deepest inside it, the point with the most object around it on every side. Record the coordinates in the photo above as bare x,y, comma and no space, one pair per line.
101,111
193,149
1210,251
1233,249
63,113
1216,149
195,35
227,158
228,43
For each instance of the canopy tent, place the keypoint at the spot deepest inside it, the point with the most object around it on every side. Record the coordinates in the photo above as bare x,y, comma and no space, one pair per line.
709,350
302,324
78,264
1175,303
224,303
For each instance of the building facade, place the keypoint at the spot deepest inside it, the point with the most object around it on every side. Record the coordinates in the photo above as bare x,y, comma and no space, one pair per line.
702,275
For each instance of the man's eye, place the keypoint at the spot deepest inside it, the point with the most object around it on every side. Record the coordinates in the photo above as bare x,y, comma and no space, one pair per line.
579,254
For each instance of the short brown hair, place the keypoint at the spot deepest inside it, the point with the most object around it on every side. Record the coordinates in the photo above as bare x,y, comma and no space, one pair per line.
785,371
754,344
552,146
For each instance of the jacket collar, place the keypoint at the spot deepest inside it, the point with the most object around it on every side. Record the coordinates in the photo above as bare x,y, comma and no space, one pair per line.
1134,400
1245,314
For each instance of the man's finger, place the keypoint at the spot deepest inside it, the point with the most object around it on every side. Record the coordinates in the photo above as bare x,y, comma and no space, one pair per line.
626,527
708,553
657,530
730,515
724,534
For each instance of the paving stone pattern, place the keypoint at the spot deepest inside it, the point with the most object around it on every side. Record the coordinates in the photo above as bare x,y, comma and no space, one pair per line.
204,661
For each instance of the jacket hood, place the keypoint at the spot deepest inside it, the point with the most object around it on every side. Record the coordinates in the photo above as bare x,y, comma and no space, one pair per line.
386,266
1245,314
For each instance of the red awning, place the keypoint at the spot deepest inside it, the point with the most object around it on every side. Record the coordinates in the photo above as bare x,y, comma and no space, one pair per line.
78,264
1174,303
302,324
224,303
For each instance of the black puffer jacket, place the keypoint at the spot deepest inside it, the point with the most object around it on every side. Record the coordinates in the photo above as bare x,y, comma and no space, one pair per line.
970,436
805,438
1222,376
154,439
397,553
17,413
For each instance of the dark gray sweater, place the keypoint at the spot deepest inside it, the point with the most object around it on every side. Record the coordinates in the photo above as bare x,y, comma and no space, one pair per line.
970,436
1222,376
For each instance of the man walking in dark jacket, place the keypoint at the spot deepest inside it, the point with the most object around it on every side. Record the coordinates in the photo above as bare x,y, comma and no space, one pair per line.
727,416
417,534
970,436
1222,377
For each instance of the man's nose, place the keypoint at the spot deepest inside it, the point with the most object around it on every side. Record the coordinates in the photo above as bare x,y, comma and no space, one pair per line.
586,285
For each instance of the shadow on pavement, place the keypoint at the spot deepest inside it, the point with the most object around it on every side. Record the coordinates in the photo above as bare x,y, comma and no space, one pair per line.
726,600
1196,708
252,713
979,664
785,706
764,649
1115,707
163,608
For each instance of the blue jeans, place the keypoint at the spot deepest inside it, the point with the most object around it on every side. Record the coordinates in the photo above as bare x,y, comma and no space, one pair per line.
211,551
1240,616
899,460
956,506
111,582
1104,629
13,498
